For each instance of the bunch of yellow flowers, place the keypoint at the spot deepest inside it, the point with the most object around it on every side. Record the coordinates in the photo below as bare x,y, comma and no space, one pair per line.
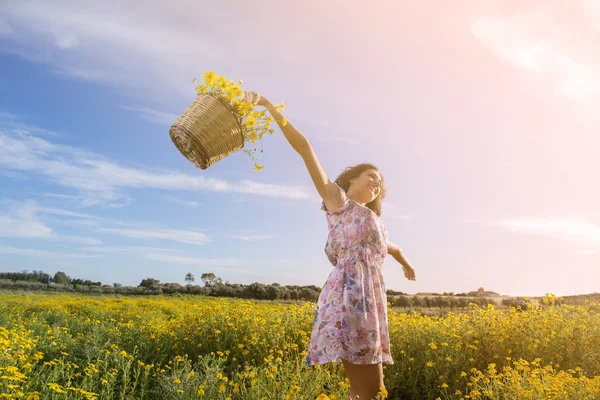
254,123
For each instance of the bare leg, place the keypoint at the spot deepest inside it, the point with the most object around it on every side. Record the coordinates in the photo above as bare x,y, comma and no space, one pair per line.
365,380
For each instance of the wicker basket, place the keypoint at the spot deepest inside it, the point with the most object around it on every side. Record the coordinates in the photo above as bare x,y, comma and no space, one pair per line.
207,131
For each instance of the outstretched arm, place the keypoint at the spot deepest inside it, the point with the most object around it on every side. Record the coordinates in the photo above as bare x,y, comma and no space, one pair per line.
326,189
396,252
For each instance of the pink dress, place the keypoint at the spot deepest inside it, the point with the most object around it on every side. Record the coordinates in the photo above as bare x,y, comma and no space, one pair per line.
351,320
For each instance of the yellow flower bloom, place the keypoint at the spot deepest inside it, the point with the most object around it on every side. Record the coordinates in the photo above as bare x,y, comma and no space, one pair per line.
55,387
209,78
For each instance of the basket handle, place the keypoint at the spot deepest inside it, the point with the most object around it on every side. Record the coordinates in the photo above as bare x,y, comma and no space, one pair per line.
252,97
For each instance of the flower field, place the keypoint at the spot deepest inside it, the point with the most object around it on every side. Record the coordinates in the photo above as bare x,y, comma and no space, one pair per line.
68,346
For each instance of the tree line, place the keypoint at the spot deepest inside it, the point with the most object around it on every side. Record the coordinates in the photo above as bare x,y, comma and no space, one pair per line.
212,285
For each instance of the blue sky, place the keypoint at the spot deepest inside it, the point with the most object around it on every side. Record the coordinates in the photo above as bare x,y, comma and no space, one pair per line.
480,116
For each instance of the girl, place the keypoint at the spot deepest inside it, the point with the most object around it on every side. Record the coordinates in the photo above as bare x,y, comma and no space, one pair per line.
350,324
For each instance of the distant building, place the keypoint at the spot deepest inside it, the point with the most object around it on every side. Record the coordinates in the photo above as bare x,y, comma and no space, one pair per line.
486,293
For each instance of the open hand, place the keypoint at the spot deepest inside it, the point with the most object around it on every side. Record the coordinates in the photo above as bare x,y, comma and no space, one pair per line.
256,99
409,273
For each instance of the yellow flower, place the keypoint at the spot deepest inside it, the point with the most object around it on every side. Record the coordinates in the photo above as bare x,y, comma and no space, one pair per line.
209,78
258,167
250,122
221,82
235,90
323,397
430,364
383,393
33,396
55,387
222,389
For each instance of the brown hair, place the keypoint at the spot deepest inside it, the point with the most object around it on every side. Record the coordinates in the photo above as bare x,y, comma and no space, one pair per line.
343,180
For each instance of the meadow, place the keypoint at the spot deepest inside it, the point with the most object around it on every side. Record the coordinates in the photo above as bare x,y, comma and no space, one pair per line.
74,346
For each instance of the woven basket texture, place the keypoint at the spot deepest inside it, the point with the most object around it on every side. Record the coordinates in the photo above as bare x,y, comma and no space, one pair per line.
207,131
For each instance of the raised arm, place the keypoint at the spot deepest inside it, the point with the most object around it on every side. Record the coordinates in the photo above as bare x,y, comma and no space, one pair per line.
326,189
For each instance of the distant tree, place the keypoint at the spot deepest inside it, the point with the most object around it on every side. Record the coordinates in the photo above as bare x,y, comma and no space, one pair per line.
210,279
429,302
256,290
401,301
443,302
390,292
190,278
454,302
61,278
149,283
273,292
308,293
463,302
417,302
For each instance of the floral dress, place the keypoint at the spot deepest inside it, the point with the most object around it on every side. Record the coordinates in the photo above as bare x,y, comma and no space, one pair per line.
351,320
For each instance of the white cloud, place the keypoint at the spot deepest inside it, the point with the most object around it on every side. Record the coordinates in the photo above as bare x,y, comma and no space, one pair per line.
15,123
139,250
100,180
43,253
22,221
13,175
5,29
106,42
580,233
157,117
214,262
542,39
187,203
22,228
250,238
64,213
165,234
62,196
